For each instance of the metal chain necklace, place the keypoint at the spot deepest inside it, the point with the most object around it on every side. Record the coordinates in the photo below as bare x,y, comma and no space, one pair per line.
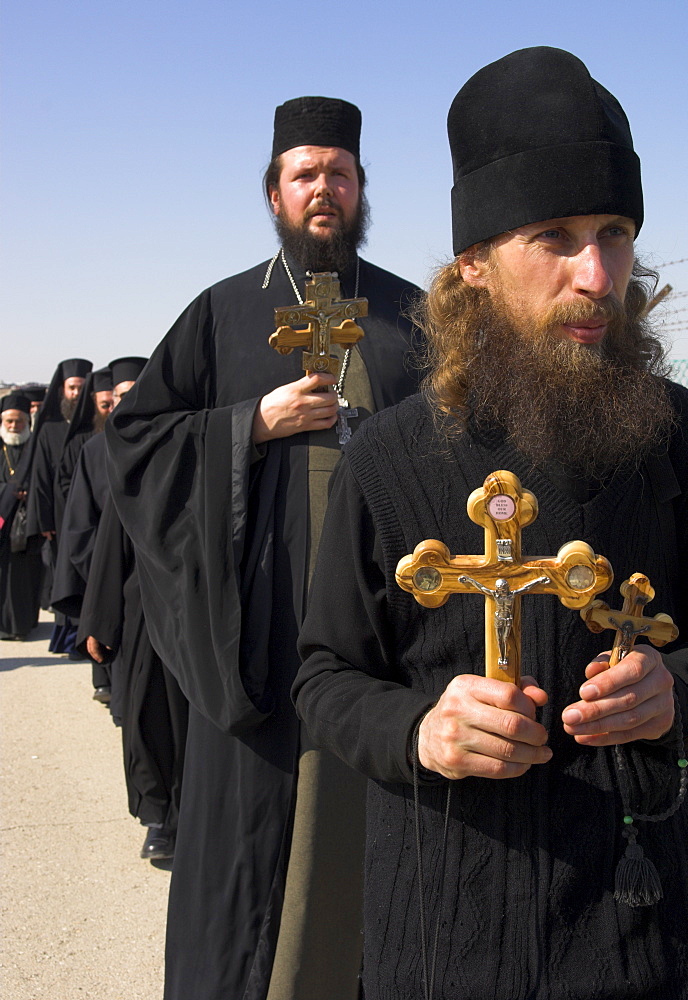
7,459
344,410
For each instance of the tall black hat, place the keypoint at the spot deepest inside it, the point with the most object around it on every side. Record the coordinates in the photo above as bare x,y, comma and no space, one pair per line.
102,380
16,401
126,369
34,393
317,121
534,137
71,368
75,368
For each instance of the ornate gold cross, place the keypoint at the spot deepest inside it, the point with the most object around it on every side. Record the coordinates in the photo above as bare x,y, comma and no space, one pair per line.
328,319
630,621
576,574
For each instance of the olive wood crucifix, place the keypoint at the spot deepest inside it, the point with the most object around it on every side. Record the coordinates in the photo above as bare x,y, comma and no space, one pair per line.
630,622
328,319
576,574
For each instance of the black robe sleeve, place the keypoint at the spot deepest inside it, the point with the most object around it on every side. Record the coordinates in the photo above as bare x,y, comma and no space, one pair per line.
180,471
102,611
78,531
41,499
346,691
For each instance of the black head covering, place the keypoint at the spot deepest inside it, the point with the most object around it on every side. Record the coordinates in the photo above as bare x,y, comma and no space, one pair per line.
102,380
81,424
534,137
35,393
75,368
16,401
126,369
50,411
317,121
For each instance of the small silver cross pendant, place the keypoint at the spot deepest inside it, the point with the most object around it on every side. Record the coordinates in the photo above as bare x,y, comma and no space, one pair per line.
344,414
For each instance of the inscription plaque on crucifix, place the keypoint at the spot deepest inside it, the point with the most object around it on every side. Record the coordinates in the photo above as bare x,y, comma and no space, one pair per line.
503,508
323,319
630,622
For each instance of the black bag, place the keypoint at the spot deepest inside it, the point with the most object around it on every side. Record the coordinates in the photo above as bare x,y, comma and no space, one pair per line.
18,529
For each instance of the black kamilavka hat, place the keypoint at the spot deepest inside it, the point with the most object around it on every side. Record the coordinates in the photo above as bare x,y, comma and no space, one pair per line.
75,368
126,369
35,393
102,380
16,401
317,121
534,137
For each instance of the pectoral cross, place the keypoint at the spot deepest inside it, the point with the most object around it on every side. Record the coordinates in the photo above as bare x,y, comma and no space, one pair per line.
576,574
630,622
328,319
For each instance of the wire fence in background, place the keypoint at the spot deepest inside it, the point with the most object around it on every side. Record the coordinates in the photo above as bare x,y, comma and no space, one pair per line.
680,371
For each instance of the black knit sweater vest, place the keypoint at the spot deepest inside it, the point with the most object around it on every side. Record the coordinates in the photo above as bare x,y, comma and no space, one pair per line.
526,908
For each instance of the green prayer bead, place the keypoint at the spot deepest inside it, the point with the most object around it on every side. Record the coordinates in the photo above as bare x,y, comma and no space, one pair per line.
683,762
628,820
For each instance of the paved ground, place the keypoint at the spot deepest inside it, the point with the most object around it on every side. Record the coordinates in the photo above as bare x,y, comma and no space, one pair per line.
82,917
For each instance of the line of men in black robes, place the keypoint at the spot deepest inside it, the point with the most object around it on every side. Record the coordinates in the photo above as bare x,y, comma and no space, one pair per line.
55,491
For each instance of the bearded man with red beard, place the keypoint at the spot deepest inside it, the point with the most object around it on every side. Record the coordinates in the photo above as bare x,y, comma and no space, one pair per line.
540,362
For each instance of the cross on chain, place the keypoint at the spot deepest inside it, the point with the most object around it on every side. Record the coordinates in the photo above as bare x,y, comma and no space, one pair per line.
328,319
576,574
630,621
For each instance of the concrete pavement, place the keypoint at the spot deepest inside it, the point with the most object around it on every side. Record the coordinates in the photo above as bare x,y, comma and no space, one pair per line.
82,916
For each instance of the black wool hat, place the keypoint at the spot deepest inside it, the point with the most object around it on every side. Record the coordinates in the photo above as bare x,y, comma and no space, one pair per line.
534,137
75,368
317,121
16,401
102,380
126,369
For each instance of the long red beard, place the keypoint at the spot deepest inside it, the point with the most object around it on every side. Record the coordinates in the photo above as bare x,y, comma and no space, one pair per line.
593,409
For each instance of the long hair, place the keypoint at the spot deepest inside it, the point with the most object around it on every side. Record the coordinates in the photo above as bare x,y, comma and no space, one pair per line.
454,314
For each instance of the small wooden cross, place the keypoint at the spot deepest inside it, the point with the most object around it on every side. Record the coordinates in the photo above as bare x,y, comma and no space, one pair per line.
576,574
630,622
328,319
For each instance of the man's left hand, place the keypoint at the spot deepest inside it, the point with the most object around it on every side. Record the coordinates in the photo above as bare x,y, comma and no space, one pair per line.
630,701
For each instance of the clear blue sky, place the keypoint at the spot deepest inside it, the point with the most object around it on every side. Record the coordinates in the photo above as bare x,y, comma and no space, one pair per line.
135,135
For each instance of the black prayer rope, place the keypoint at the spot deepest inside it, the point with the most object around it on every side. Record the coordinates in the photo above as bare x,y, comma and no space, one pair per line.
637,879
428,980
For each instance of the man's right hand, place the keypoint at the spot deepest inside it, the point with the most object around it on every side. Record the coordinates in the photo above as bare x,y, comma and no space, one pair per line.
98,651
484,728
296,407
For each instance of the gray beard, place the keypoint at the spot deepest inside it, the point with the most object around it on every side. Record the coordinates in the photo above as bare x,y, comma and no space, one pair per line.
15,439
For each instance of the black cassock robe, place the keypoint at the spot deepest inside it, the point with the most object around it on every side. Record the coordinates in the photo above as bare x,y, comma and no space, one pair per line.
146,699
85,502
40,509
222,542
20,572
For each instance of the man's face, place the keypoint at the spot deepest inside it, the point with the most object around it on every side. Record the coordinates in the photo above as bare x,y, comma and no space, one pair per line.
71,387
566,273
14,421
120,391
318,189
103,401
35,406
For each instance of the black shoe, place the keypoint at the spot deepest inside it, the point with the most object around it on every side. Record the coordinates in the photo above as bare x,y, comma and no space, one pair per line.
102,694
159,844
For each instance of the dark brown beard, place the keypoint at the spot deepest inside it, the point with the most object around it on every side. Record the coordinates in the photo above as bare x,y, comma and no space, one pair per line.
592,409
67,407
98,421
334,252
